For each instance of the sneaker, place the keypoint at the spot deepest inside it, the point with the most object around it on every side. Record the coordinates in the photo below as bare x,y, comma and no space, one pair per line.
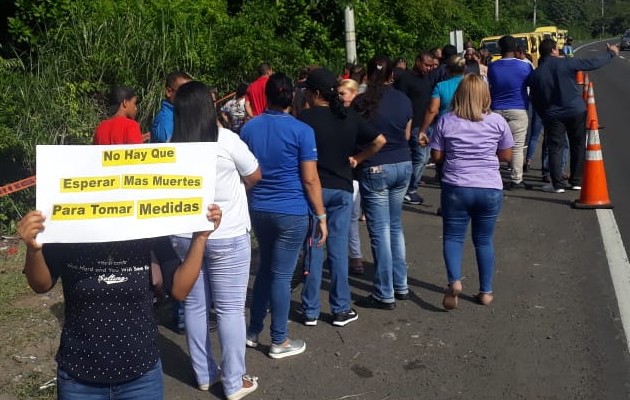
517,186
413,198
576,187
371,302
344,318
251,339
550,189
291,347
251,381
310,321
401,296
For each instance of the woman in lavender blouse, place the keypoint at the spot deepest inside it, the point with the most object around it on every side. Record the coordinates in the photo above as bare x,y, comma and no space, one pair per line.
470,141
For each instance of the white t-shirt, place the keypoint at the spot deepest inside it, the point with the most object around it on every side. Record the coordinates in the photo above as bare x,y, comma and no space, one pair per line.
233,161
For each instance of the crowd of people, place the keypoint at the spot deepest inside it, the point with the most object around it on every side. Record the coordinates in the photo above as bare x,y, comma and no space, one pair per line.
300,164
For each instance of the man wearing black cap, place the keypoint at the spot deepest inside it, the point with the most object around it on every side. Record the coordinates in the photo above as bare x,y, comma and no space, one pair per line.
338,131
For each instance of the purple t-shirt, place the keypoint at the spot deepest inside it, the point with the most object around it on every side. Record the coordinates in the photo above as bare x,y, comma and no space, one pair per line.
470,149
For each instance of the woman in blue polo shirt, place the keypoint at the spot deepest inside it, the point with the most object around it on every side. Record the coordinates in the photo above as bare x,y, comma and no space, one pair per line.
279,207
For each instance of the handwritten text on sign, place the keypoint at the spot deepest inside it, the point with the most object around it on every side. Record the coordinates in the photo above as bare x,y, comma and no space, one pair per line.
111,193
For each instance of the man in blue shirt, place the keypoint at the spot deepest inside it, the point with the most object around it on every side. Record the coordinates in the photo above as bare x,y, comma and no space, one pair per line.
557,98
162,128
507,78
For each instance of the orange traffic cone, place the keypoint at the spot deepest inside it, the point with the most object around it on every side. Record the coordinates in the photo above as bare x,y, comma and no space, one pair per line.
594,193
579,78
585,88
591,110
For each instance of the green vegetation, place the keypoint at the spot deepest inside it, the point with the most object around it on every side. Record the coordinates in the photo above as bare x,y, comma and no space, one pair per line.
59,57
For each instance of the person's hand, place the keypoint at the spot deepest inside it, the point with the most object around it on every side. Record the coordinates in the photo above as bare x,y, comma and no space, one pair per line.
613,48
28,228
322,229
353,162
214,215
423,139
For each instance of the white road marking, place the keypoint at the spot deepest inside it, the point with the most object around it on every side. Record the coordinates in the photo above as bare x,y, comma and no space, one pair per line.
618,265
595,42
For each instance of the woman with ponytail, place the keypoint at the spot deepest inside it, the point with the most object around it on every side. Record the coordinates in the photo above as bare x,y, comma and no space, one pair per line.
338,131
383,181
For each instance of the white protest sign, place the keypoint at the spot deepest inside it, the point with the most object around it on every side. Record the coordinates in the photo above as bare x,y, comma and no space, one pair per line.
123,192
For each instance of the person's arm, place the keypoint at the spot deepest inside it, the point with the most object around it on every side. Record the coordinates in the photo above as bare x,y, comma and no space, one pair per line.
408,131
429,116
161,129
313,189
437,156
187,272
252,179
505,155
37,272
249,113
372,148
134,134
589,64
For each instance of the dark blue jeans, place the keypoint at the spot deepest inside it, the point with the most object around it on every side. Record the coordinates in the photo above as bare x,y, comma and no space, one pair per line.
459,206
149,386
280,238
383,188
338,204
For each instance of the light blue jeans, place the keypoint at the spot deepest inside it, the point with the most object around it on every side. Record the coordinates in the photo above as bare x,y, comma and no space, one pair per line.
460,205
149,386
383,188
338,204
222,283
280,238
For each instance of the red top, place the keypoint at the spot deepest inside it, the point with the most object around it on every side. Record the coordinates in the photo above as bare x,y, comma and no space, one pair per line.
256,95
118,130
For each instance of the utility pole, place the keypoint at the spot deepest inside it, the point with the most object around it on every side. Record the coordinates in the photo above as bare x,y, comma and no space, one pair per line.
534,14
602,19
496,10
351,40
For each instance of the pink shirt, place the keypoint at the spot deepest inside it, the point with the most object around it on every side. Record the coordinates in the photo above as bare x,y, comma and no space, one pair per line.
470,149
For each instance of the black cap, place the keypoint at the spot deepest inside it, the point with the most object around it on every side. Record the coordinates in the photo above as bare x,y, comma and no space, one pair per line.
321,80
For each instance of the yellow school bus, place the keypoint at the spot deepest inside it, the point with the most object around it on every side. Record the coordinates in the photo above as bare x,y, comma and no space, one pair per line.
549,32
529,40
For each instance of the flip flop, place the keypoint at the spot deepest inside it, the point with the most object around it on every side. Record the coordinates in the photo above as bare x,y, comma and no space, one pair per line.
451,296
484,298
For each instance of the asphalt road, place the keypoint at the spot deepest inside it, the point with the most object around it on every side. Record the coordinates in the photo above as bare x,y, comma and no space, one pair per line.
553,331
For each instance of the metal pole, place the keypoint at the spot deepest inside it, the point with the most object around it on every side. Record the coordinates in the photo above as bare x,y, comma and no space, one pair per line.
602,18
351,40
534,14
496,10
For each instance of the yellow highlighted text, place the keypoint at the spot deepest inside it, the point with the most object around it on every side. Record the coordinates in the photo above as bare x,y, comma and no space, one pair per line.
142,181
159,208
115,209
89,184
144,155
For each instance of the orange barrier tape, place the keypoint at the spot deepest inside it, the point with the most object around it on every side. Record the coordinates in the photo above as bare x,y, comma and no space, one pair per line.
17,186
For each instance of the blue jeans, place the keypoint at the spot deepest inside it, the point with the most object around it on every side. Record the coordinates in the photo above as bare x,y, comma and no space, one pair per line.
383,188
338,204
536,127
149,386
459,206
222,283
280,238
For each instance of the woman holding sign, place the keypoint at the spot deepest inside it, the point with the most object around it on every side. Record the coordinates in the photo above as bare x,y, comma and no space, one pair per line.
222,282
109,337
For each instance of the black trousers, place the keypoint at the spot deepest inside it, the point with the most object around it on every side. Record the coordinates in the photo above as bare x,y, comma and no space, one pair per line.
575,127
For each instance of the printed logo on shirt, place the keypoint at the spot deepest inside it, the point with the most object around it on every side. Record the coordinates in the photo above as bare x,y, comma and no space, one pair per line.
112,279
